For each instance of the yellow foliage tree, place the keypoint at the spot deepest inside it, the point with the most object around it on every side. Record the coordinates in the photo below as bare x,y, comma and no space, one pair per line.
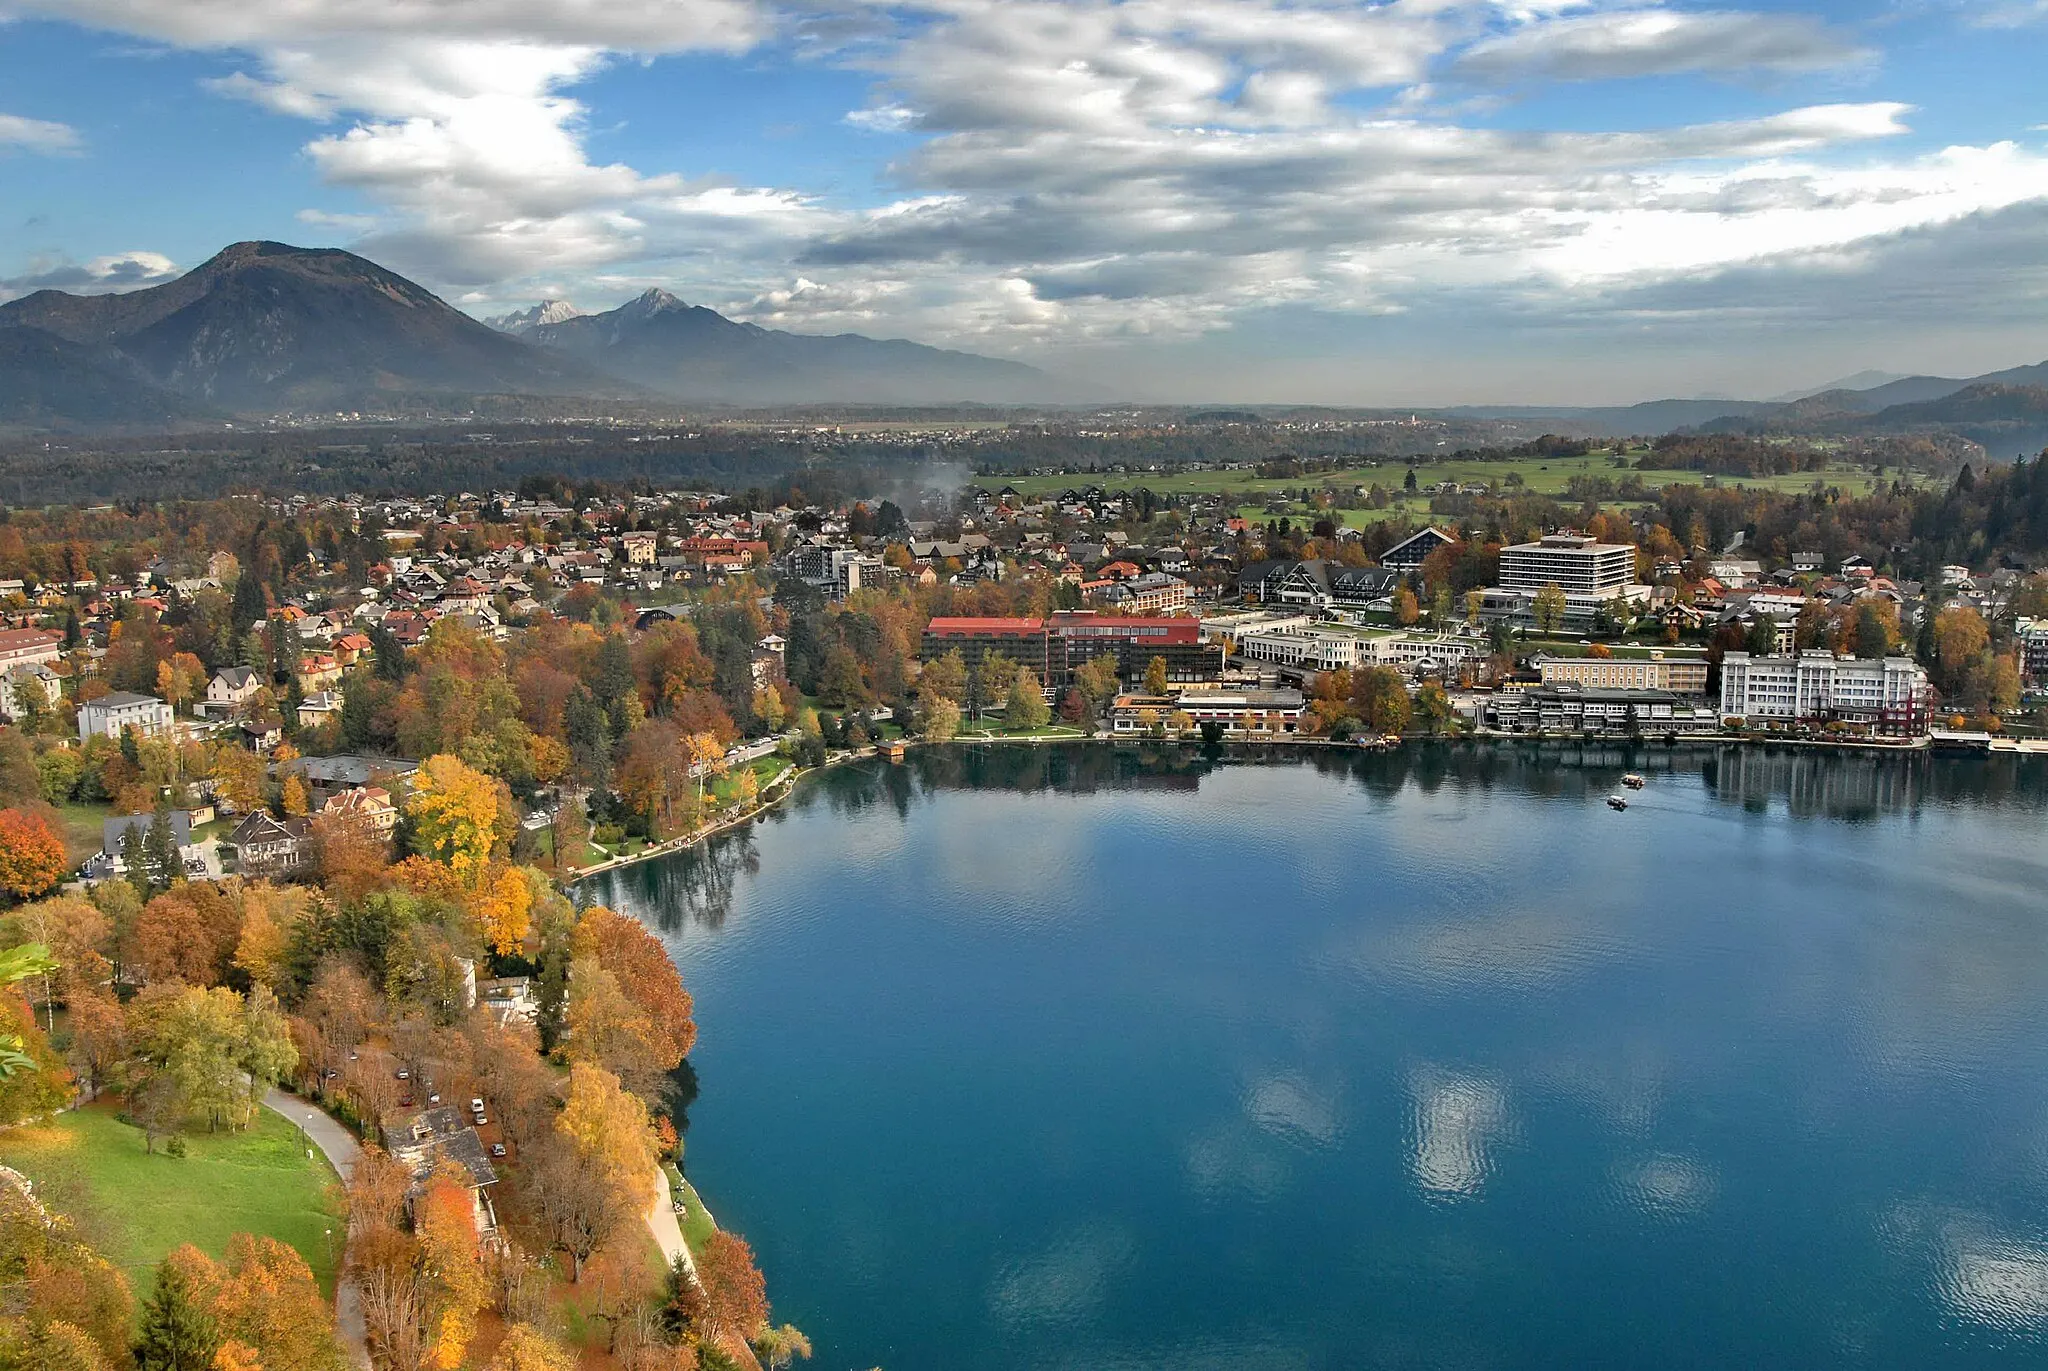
445,1225
504,905
454,809
610,1130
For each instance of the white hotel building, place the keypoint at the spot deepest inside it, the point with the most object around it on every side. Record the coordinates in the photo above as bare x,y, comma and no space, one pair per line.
1325,647
1890,694
1589,572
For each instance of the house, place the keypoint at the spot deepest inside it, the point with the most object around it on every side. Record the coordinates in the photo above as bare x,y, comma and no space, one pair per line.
508,998
369,805
29,647
432,1136
107,716
111,830
261,735
269,846
319,707
230,690
328,776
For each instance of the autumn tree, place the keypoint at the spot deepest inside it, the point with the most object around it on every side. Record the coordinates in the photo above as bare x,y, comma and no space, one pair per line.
735,1293
454,813
646,974
31,855
445,1226
264,1298
1549,608
778,1347
527,1348
1027,707
1155,676
940,719
1380,697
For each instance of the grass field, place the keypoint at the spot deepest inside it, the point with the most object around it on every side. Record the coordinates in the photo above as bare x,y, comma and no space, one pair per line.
84,827
1540,475
137,1207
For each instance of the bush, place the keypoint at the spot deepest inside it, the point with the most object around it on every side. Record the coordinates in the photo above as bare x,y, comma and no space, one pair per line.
175,1147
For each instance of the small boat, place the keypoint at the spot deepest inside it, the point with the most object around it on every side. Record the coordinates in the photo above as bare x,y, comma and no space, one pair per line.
1615,802
1634,781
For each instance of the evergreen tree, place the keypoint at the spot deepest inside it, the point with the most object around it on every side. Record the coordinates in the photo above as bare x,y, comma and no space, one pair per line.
131,752
249,607
135,861
177,1335
160,849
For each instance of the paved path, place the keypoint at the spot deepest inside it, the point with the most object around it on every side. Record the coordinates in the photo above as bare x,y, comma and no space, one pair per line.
661,1221
342,1153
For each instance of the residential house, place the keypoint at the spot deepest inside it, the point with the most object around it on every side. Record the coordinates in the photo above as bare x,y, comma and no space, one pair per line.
230,690
268,846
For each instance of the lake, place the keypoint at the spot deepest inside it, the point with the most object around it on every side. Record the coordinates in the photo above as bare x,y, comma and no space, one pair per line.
1114,1059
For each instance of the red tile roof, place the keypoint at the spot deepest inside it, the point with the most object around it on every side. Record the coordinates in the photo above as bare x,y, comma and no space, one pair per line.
965,626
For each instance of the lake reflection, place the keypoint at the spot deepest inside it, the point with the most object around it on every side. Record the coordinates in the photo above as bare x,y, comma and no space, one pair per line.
1117,1058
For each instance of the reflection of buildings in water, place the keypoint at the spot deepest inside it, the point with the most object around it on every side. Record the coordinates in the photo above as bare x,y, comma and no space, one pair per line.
1813,781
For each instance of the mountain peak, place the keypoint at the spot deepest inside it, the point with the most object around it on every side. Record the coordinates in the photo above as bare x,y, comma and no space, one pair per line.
653,300
538,316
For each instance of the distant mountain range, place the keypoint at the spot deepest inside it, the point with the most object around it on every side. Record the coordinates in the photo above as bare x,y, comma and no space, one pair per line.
266,327
694,354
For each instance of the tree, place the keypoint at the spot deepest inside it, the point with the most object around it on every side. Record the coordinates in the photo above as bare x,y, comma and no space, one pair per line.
454,814
31,855
292,796
526,1348
1380,697
1475,601
1433,703
444,1224
735,1294
1549,608
177,1334
503,907
944,678
1027,707
1406,609
1762,638
1097,681
778,1347
1874,636
1155,676
610,1131
941,719
264,1300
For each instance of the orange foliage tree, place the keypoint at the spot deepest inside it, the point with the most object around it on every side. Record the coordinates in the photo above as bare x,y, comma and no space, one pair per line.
31,855
735,1292
444,1222
636,957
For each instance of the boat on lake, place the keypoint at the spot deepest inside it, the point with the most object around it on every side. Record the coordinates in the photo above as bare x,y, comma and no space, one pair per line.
1634,781
1616,802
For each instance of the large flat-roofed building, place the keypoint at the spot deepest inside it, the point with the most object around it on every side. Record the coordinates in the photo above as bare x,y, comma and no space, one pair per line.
1243,712
1076,637
1588,709
1574,563
1326,647
1888,695
1023,641
1679,675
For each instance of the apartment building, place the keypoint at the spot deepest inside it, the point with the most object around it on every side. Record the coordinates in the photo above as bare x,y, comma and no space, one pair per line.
109,714
1888,695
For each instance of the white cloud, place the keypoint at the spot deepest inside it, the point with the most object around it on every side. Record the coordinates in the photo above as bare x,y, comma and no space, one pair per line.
1659,42
1103,171
117,271
18,133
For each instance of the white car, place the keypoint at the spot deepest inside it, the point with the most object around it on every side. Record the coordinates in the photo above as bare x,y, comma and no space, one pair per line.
476,1104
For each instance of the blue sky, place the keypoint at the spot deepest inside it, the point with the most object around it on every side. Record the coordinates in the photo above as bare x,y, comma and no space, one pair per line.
1412,202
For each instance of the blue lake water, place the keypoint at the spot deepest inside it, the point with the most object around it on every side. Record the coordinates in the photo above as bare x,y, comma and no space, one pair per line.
1089,1058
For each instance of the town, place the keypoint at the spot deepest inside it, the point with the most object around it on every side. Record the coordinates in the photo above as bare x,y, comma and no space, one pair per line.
291,787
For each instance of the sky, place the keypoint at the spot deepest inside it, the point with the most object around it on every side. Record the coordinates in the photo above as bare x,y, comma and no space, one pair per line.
1415,202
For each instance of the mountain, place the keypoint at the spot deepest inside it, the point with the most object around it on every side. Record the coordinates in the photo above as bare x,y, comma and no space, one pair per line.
521,322
47,381
265,326
1862,380
689,352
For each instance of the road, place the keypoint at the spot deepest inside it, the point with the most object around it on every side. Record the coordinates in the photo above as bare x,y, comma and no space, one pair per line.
342,1152
661,1221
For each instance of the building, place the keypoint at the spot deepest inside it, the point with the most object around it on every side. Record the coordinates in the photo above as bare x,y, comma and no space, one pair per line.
29,687
329,776
107,716
1576,564
1023,641
1319,585
1331,647
112,830
1411,552
2033,636
439,1134
29,647
1588,709
368,805
269,846
1152,593
1075,637
1887,695
1243,713
1679,675
319,707
230,690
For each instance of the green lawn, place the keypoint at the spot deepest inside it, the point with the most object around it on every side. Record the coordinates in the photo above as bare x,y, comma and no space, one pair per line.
137,1207
84,827
695,1219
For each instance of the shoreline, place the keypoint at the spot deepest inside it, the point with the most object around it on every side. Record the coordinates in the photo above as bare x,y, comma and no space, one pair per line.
785,785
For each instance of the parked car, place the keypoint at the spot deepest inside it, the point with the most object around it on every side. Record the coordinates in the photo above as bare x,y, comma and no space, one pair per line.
498,1150
476,1104
403,1074
433,1097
